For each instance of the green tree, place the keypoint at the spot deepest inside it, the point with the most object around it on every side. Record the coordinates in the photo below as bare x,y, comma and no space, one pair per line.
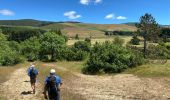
51,45
135,40
77,37
148,28
31,48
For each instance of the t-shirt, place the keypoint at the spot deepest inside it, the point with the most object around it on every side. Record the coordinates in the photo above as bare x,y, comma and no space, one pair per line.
58,80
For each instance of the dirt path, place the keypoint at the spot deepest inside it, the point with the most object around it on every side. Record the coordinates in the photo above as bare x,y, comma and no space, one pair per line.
116,87
121,87
18,87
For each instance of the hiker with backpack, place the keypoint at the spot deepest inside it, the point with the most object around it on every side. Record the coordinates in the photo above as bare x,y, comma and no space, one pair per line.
52,86
32,73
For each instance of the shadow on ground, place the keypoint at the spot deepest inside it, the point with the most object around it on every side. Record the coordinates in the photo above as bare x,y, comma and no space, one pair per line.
26,92
26,81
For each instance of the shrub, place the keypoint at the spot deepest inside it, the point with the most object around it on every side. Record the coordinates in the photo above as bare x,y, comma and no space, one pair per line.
118,41
88,40
31,48
111,58
160,51
77,37
135,40
82,45
51,45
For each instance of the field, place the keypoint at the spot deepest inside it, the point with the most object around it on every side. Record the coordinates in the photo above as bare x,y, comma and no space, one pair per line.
100,40
87,30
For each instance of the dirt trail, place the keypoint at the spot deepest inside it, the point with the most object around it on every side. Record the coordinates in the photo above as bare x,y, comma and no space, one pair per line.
18,87
116,87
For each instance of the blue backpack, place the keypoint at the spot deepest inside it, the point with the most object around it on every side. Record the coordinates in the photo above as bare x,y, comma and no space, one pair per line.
33,73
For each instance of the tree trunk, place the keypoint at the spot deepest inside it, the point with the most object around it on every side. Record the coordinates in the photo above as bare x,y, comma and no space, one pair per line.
145,45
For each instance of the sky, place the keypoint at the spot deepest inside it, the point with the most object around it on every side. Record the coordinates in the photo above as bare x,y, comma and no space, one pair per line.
87,11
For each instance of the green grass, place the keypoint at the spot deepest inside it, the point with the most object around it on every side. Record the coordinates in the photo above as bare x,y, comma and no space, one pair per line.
151,70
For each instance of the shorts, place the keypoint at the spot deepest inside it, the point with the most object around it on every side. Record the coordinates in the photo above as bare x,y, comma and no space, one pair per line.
32,80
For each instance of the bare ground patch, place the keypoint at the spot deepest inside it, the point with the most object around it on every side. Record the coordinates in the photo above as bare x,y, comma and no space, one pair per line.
18,87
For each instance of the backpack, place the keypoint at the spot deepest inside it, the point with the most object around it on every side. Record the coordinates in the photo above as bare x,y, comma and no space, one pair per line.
51,84
33,73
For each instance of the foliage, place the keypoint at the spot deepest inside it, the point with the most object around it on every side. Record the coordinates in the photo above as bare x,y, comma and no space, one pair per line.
20,34
122,33
160,51
165,34
9,55
149,29
77,37
31,48
79,51
51,45
111,58
82,45
88,40
118,41
135,40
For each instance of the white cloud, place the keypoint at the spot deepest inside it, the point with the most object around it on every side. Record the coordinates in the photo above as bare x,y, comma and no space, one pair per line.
121,17
97,1
72,15
85,2
110,16
6,12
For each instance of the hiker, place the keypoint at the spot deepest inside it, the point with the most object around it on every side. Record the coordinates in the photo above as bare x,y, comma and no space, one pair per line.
32,72
52,86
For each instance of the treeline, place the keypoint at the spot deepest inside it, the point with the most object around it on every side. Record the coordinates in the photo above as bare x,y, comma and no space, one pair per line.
164,34
20,33
123,33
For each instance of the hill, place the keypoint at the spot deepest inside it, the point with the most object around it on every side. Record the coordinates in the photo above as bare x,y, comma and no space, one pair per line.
87,29
25,22
71,28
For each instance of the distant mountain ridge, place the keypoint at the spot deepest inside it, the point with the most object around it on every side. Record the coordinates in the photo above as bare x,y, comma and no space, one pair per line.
25,22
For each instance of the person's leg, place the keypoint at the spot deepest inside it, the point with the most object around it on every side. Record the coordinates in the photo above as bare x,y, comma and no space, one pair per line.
58,95
33,87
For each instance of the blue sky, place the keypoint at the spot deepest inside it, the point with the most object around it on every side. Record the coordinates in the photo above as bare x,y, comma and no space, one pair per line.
88,11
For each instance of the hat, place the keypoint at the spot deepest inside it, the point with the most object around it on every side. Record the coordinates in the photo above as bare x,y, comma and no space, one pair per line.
32,66
52,71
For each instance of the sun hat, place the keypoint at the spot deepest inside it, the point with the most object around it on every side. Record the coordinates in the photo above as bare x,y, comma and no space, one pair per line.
52,71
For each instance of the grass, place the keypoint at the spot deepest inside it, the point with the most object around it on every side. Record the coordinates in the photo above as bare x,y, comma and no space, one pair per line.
151,70
101,40
7,70
66,76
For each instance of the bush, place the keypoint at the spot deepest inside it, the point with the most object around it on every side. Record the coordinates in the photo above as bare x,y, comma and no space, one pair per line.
118,41
160,51
111,58
77,37
31,48
78,52
8,55
51,45
88,40
82,45
135,40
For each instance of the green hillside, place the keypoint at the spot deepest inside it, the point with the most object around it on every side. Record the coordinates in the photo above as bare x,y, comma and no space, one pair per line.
25,22
70,28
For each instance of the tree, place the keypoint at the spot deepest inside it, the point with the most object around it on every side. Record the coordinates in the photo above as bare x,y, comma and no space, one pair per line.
148,28
77,37
51,44
31,48
135,40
